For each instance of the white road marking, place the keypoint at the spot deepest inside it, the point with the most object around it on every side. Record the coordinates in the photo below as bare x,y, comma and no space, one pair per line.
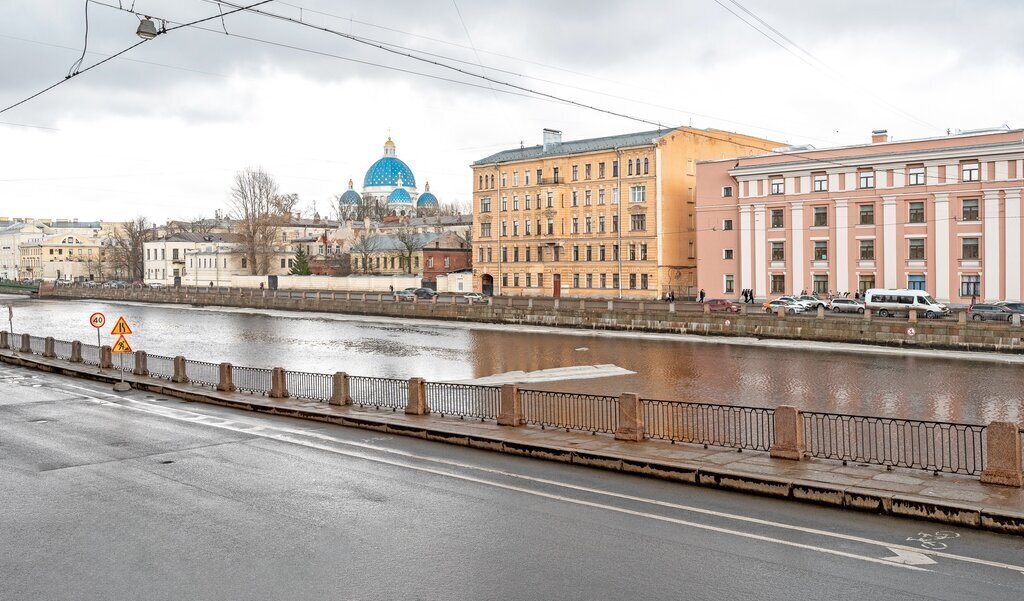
183,415
910,558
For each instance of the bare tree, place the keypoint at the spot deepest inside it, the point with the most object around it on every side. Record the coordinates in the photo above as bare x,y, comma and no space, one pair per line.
366,243
258,210
127,250
409,241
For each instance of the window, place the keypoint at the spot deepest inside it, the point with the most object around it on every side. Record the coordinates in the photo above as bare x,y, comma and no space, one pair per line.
504,228
728,289
615,196
726,191
245,262
821,284
615,169
485,205
727,224
589,253
515,254
586,171
480,182
915,213
778,186
430,262
527,257
778,283
575,172
632,252
643,281
916,282
515,178
727,254
526,179
504,203
867,179
575,198
504,180
643,251
867,214
515,203
969,209
820,216
526,225
528,283
600,256
969,248
866,282
970,172
778,219
540,176
970,285
575,225
600,175
632,281
600,196
554,175
615,254
615,223
515,227
645,173
867,250
600,224
174,254
504,254
590,280
485,230
637,193
529,205
587,229
915,252
550,200
586,198
915,177
575,253
638,223
820,182
630,171
821,250
551,226
778,251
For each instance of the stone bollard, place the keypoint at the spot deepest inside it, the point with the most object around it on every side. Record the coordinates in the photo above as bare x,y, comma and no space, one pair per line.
339,390
106,357
641,306
48,347
611,306
1002,455
4,342
26,343
912,316
583,305
490,300
744,309
529,303
789,434
141,366
867,314
224,383
707,309
334,297
780,311
433,300
821,312
364,297
76,351
348,295
555,304
510,410
417,404
278,385
179,370
631,418
961,318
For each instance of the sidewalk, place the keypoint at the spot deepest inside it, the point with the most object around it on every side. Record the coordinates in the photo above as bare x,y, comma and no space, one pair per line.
946,498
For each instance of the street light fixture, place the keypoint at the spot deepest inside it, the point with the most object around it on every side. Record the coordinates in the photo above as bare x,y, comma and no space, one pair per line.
147,29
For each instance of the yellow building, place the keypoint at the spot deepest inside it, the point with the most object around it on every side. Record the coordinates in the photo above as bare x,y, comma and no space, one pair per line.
66,257
549,221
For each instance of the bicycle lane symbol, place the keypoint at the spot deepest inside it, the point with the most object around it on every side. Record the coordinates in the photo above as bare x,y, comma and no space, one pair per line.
933,541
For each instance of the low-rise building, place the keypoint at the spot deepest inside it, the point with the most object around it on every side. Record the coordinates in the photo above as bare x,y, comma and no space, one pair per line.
429,253
65,257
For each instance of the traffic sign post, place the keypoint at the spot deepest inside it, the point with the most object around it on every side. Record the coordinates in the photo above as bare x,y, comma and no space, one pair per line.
121,347
98,320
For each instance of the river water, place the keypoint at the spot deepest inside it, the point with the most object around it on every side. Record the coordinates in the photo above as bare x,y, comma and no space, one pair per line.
666,367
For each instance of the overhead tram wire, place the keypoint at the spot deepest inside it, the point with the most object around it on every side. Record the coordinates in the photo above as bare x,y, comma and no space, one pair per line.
125,50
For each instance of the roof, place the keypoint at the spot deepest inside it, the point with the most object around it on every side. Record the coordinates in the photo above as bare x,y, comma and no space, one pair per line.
643,138
196,237
399,195
386,242
386,172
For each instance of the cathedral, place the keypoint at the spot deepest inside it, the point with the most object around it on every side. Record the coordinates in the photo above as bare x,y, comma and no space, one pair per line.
389,182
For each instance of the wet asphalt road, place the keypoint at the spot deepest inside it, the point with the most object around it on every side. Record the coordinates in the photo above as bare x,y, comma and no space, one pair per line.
138,496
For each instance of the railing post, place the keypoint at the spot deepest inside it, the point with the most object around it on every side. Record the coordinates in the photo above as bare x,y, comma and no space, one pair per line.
106,357
417,404
48,347
278,389
779,311
961,318
1015,319
867,314
912,316
789,434
179,370
1002,455
224,383
76,351
672,307
707,308
339,390
631,418
641,306
555,305
611,306
510,407
141,366
4,343
821,312
26,343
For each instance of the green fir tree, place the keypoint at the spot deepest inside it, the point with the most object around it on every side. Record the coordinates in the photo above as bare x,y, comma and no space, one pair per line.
301,266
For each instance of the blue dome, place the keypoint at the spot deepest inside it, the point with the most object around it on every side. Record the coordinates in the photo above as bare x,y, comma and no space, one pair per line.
399,195
350,197
385,172
427,199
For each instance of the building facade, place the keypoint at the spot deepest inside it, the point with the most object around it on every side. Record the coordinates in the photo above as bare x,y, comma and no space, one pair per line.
25,232
428,254
938,214
65,257
549,222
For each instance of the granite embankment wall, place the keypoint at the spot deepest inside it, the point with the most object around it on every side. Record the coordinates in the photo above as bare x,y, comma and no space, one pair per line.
640,317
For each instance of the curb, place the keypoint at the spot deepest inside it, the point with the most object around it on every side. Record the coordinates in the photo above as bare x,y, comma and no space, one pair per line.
847,497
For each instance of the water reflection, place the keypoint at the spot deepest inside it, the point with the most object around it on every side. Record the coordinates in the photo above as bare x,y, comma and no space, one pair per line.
666,369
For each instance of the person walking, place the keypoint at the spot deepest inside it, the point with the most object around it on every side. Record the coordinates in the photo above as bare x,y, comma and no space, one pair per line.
701,295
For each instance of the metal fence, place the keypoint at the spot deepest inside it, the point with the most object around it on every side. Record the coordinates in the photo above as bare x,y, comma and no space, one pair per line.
37,344
251,379
710,425
378,392
201,372
62,349
572,411
934,446
306,385
463,400
160,367
90,354
123,361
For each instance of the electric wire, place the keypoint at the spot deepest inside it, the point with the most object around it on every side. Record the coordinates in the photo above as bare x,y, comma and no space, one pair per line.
85,45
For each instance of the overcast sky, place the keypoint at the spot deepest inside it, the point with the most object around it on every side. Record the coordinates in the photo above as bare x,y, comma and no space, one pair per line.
161,131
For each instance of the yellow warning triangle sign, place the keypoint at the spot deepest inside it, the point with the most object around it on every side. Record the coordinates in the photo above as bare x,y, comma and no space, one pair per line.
121,346
120,328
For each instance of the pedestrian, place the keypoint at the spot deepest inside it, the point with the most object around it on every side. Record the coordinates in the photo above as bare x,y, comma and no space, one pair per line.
211,284
392,288
701,295
261,285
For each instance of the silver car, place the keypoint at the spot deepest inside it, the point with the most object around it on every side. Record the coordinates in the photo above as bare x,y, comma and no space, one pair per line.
846,305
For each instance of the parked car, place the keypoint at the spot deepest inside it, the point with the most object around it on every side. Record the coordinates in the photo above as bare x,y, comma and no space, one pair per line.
787,299
789,306
985,312
425,293
812,301
888,302
476,297
846,305
1013,307
156,285
721,305
405,295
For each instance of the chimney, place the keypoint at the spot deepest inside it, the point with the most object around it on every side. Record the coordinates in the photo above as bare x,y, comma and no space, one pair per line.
552,138
879,136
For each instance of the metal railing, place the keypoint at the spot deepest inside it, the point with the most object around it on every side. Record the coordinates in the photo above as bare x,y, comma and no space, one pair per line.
62,349
378,392
463,400
571,411
90,354
123,361
160,367
933,446
730,426
307,385
250,379
202,372
37,344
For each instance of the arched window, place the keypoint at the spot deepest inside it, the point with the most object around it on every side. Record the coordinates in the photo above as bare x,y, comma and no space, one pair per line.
481,183
630,167
645,166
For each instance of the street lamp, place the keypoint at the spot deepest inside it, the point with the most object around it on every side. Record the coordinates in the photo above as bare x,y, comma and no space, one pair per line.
147,29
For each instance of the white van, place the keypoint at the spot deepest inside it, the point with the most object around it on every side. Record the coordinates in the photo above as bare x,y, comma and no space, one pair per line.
886,302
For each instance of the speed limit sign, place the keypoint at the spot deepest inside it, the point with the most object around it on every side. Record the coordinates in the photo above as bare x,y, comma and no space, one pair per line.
97,320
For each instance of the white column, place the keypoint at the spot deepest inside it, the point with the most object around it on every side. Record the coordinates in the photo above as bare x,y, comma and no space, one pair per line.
889,248
1013,244
760,256
746,248
842,254
941,242
796,221
990,283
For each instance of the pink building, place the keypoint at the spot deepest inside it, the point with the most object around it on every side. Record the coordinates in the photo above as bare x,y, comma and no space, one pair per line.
937,214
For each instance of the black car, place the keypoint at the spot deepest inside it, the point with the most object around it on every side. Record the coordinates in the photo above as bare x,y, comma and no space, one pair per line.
989,313
425,293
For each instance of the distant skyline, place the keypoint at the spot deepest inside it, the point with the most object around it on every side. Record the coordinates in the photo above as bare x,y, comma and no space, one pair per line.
161,130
